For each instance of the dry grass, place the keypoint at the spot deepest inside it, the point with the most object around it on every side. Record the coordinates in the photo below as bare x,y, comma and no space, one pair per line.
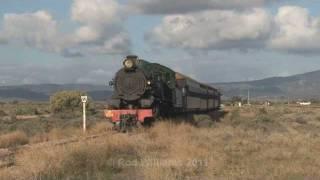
249,143
13,139
56,134
70,132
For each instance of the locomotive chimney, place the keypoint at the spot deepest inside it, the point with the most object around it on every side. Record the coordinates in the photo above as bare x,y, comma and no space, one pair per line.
132,57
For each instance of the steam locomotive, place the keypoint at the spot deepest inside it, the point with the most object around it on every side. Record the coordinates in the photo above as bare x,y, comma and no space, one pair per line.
144,91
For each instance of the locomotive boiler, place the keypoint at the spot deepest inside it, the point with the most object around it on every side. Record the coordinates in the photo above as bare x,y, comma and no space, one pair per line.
144,91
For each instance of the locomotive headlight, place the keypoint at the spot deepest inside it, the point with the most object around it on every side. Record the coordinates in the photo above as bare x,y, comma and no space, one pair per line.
149,83
128,63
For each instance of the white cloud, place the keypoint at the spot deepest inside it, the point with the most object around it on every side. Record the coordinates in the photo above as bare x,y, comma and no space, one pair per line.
100,30
86,34
214,30
3,39
291,30
202,25
297,31
116,44
37,30
184,6
95,11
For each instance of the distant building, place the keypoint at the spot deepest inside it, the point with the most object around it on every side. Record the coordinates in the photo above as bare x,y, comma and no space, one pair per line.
304,103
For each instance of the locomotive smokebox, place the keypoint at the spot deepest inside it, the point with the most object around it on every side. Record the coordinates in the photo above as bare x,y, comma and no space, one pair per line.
130,85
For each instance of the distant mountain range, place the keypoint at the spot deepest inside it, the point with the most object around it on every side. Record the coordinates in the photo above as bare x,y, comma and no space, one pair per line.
42,92
302,86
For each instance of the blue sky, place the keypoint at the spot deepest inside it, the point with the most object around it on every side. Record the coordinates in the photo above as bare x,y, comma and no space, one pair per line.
78,41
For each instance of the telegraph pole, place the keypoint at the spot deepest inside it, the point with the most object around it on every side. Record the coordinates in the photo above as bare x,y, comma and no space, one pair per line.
248,99
84,100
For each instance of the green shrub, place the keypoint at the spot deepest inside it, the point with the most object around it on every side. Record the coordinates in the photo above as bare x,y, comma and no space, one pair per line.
263,111
301,120
15,102
26,110
69,101
264,119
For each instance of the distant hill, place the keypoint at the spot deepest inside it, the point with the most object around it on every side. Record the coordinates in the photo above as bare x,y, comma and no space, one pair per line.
43,92
302,86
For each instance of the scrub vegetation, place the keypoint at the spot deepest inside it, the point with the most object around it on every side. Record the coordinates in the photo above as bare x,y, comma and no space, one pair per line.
252,142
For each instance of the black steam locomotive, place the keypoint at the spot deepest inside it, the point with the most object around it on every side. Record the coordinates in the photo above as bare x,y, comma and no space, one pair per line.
144,91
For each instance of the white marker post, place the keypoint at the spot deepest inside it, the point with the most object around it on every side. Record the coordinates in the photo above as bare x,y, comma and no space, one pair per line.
84,100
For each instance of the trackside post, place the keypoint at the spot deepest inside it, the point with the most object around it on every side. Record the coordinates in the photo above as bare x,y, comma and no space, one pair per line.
84,100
